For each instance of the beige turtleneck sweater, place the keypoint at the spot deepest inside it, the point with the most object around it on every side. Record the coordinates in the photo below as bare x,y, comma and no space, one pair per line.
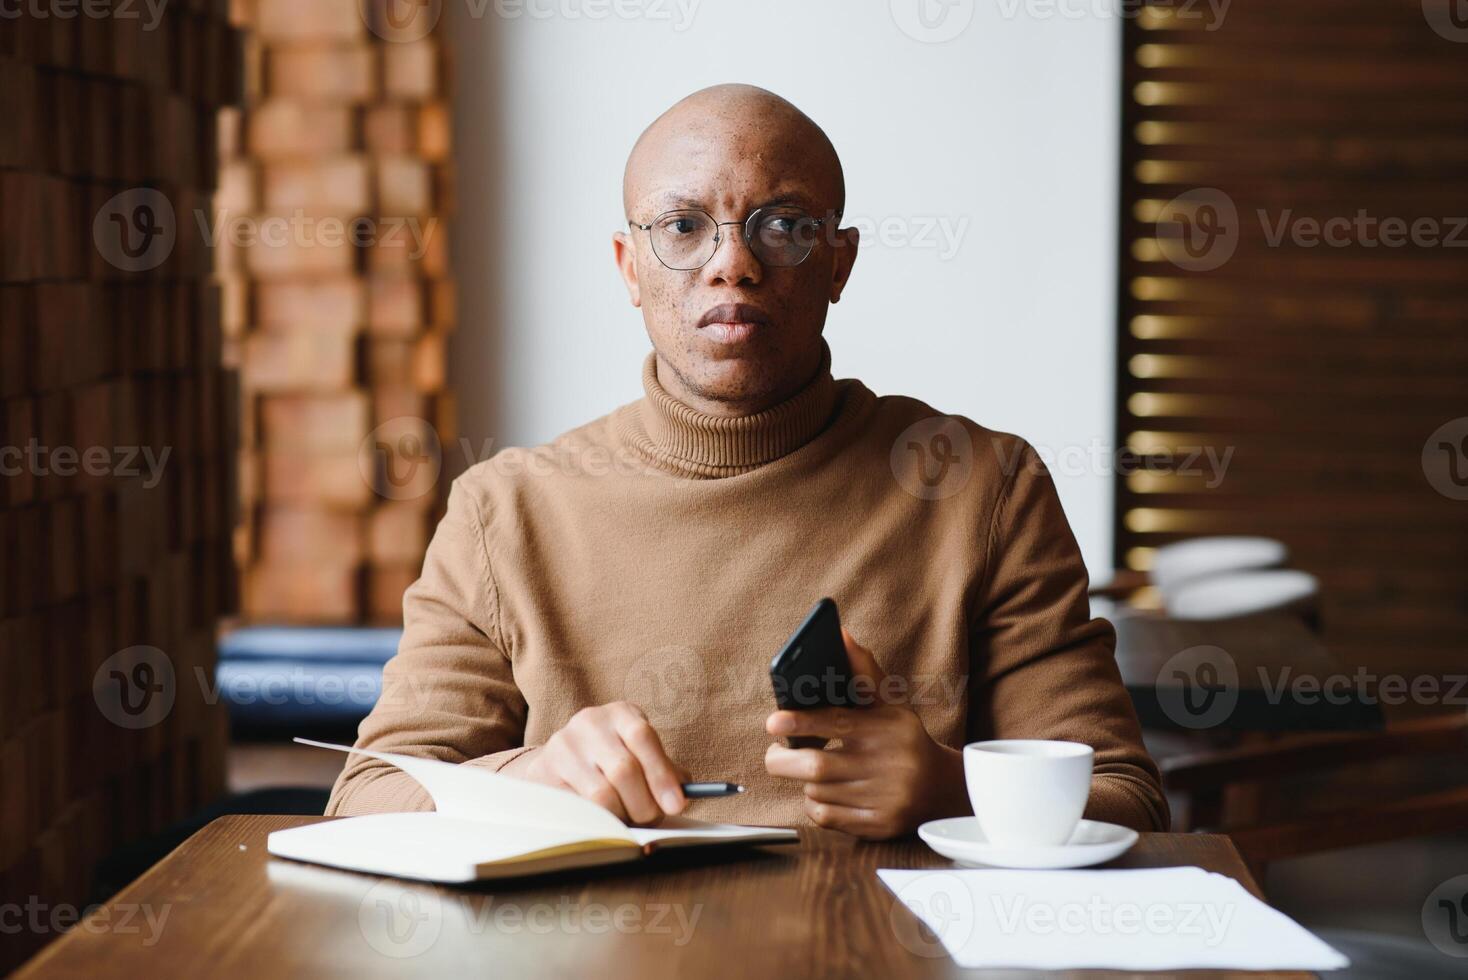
661,556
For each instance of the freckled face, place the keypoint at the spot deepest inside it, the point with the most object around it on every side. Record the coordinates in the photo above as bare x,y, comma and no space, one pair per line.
735,332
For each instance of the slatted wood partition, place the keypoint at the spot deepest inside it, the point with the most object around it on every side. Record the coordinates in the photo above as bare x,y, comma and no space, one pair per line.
116,441
1324,368
341,344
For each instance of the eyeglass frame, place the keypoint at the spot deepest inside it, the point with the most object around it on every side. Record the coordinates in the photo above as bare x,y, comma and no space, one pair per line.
817,223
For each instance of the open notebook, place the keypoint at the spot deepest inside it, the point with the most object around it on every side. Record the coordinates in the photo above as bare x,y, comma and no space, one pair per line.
490,826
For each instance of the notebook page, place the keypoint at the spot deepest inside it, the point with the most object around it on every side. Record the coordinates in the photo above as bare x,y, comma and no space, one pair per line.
431,846
685,829
468,793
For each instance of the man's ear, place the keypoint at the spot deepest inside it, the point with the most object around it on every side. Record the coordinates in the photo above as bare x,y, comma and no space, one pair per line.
626,255
846,243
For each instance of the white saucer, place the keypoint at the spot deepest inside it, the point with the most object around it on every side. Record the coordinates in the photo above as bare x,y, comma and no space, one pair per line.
961,839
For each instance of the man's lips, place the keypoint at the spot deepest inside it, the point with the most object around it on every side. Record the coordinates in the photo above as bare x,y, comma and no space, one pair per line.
733,322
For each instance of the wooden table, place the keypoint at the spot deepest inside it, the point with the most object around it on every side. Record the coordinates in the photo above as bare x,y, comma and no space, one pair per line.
227,909
1269,676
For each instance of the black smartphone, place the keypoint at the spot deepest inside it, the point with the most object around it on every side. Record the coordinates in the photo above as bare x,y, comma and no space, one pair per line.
812,670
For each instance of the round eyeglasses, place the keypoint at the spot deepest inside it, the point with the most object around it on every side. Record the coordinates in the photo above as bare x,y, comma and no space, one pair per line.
685,239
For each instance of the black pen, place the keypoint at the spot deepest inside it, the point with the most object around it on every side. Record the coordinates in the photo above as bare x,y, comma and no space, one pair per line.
704,791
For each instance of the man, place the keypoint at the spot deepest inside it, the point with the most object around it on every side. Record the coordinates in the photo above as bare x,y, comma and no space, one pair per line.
608,628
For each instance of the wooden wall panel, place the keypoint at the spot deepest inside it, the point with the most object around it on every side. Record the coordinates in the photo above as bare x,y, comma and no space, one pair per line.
116,440
340,343
1323,366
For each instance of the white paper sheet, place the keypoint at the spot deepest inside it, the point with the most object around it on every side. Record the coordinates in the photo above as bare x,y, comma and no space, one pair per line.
1142,919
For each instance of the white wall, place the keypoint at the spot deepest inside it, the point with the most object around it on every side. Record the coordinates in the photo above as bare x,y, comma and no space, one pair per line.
1004,136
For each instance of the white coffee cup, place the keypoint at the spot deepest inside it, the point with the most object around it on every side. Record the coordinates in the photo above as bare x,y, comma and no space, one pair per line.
1028,791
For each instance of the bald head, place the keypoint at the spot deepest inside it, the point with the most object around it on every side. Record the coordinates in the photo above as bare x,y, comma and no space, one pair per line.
730,126
740,332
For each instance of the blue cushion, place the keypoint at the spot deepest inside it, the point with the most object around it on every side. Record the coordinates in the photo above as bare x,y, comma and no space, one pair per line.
323,644
302,679
284,693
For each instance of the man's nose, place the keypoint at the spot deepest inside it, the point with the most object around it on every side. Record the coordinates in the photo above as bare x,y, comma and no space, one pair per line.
733,262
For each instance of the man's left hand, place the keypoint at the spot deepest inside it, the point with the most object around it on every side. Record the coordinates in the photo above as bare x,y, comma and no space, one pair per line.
887,775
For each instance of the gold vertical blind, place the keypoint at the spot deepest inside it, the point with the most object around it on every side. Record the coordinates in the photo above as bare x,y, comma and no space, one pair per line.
1292,356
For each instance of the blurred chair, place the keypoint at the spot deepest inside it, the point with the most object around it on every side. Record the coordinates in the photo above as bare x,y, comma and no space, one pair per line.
1233,595
1183,561
1206,782
285,681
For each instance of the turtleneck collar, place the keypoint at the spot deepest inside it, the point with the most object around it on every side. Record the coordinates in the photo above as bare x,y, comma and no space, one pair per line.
678,438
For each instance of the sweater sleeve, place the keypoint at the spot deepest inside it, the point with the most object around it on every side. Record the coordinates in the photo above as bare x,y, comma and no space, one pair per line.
449,694
1045,668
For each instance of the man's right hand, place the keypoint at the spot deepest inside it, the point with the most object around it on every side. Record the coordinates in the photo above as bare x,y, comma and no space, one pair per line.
610,755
